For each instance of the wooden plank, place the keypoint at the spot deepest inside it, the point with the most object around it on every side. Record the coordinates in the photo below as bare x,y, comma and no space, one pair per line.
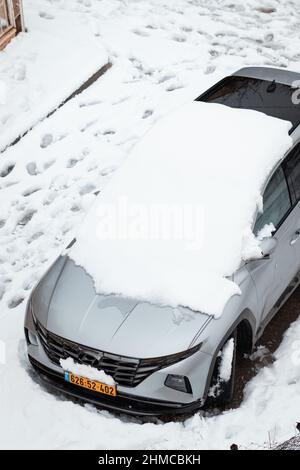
7,36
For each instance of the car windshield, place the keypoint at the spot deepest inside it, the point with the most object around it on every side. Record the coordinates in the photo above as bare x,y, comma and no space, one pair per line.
271,98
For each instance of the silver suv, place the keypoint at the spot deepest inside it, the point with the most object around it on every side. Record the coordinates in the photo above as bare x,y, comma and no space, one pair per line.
65,318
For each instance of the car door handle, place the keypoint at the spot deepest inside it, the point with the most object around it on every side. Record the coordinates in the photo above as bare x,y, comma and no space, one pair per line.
295,237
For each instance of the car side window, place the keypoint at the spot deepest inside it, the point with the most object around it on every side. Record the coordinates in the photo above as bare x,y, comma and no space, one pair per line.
291,168
276,202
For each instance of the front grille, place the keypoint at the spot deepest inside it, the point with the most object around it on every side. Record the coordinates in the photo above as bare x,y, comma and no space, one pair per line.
127,371
134,405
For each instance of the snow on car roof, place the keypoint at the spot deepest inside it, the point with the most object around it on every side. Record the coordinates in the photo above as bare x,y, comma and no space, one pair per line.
174,222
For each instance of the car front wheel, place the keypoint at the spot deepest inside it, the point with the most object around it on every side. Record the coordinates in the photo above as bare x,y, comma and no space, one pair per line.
222,383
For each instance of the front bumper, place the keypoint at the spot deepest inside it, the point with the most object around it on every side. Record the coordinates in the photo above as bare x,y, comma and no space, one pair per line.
150,398
123,403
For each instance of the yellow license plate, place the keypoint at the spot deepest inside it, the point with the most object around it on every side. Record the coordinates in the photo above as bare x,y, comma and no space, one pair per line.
90,384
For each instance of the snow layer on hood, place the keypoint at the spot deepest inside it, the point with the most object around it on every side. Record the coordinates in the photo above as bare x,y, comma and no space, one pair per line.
205,163
86,371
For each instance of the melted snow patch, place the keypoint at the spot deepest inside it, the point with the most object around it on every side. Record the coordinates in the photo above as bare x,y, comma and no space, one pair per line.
86,371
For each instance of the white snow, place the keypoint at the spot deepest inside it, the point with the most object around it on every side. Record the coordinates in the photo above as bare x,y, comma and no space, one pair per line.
266,231
226,361
204,158
43,66
86,371
3,92
46,189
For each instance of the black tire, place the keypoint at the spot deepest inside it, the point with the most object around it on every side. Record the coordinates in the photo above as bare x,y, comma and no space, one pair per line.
221,392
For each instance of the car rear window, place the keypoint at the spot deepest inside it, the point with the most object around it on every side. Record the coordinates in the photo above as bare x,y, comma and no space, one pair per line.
271,98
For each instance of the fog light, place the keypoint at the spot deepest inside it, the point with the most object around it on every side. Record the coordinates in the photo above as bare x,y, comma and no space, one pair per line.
32,338
178,382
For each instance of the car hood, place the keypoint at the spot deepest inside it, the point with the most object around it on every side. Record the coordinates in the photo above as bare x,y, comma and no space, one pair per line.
66,304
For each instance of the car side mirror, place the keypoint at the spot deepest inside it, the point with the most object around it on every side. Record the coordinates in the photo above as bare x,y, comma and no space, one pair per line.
267,246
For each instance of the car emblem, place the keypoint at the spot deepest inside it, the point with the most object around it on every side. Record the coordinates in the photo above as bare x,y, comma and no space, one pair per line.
90,358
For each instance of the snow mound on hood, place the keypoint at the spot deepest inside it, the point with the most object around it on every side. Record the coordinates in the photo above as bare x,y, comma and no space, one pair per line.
205,163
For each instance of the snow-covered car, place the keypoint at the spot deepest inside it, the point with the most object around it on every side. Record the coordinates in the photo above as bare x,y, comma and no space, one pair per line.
161,345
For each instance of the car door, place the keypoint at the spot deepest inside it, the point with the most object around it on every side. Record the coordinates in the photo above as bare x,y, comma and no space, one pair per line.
273,274
291,167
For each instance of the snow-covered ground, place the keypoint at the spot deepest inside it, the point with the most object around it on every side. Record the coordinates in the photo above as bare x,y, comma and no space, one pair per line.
43,66
164,54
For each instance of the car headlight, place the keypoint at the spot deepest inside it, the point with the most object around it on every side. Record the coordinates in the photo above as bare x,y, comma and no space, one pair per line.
30,335
30,309
165,361
32,338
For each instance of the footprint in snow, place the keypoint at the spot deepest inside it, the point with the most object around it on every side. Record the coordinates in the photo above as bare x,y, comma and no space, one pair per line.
107,171
5,118
9,184
210,69
31,168
179,37
46,15
269,37
28,284
165,78
86,3
266,10
88,188
147,113
214,53
7,169
121,100
87,125
46,140
48,164
186,29
30,191
140,32
2,291
175,86
72,162
75,208
26,217
90,103
20,72
15,301
108,132
34,237
85,152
